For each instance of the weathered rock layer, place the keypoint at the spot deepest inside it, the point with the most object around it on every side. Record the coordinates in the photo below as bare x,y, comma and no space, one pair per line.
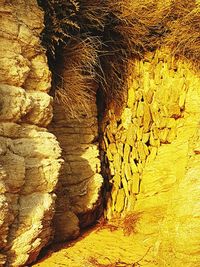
152,158
79,188
29,154
153,155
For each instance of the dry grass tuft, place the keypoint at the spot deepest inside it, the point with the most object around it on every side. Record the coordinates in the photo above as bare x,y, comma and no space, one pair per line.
92,15
128,224
130,31
60,23
184,39
104,224
76,86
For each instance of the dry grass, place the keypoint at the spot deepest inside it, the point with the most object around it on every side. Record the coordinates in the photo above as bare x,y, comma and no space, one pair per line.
92,15
184,39
127,34
60,23
76,86
104,224
125,29
128,224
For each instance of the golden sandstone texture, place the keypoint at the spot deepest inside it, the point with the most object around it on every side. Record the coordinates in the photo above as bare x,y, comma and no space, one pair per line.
29,154
153,153
79,201
153,159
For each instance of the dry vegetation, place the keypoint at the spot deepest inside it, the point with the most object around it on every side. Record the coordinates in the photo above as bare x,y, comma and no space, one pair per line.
184,39
121,30
77,82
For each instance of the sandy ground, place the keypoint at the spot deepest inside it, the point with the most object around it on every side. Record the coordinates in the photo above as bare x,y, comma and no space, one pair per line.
100,247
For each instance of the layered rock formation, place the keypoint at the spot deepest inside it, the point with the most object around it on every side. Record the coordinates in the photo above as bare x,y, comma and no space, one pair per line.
153,155
152,158
29,154
79,201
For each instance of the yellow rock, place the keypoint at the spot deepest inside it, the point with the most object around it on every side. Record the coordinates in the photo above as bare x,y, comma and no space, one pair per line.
120,148
110,137
112,168
150,93
117,180
142,154
152,155
135,184
160,203
112,148
171,123
117,161
182,100
120,202
126,118
134,153
133,166
131,135
114,194
147,118
171,135
127,171
125,186
145,138
126,153
164,135
131,97
131,203
140,109
105,141
139,132
109,155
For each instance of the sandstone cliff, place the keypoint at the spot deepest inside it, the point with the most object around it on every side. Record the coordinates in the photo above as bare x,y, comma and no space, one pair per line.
153,155
152,158
29,154
151,150
79,188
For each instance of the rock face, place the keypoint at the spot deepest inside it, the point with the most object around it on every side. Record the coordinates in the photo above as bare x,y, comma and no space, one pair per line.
153,155
78,203
29,154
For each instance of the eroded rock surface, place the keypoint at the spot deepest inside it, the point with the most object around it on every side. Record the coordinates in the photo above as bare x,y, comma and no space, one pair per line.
29,154
153,154
79,189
